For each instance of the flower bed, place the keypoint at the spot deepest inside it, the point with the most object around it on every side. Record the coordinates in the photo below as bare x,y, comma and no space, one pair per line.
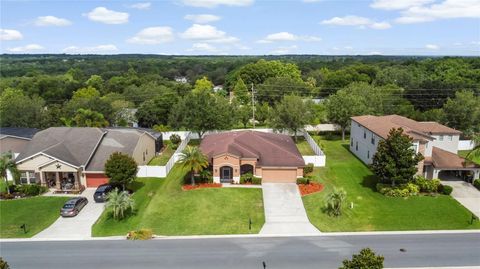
312,187
201,186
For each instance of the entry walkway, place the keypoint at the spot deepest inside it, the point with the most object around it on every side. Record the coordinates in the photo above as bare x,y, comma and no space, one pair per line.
78,227
466,194
284,211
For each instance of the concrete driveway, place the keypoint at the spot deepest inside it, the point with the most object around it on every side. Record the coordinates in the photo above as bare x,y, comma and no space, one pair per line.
466,194
78,227
284,210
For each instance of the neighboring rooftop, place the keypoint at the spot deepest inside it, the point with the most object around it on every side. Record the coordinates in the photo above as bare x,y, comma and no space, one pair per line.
21,132
269,149
381,125
447,160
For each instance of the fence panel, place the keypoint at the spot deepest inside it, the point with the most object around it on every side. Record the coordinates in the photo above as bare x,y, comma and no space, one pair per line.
465,145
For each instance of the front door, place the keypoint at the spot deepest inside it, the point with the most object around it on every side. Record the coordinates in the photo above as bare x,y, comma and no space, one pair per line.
226,174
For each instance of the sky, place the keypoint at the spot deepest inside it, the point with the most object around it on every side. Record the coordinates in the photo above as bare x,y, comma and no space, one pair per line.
242,27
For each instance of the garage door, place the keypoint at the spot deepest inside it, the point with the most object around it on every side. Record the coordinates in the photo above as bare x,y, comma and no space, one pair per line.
95,180
279,176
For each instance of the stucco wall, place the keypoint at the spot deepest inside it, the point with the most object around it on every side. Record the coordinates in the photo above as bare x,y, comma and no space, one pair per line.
145,146
15,145
226,160
362,136
449,143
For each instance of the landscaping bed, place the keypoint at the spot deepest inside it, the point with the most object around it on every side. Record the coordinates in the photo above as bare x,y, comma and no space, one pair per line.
312,187
372,211
201,186
162,206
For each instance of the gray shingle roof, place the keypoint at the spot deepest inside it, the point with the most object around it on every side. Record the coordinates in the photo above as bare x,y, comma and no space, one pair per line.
27,133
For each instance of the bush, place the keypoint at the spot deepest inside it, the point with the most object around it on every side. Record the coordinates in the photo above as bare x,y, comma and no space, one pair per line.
142,234
308,169
32,189
365,259
256,180
3,264
246,178
303,180
427,185
175,139
476,183
334,202
403,190
445,189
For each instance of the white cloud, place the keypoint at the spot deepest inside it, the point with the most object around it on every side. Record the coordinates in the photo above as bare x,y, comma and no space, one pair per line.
141,6
203,47
375,53
26,49
448,9
51,21
286,36
398,4
153,35
215,3
432,47
284,50
104,15
100,49
202,18
9,34
361,22
207,33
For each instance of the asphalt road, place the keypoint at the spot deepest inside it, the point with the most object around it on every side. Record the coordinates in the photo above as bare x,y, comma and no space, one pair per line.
292,252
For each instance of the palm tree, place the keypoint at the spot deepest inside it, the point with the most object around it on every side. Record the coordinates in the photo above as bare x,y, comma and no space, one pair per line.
194,160
7,163
335,201
119,202
475,153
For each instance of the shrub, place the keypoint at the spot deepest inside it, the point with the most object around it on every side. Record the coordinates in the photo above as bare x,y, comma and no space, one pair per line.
335,201
246,178
175,139
142,234
303,180
427,185
32,189
403,190
308,169
365,259
256,180
445,189
3,264
120,203
476,183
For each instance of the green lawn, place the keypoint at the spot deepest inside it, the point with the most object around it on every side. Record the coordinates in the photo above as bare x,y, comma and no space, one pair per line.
3,184
304,147
37,213
162,206
372,211
463,153
194,142
164,156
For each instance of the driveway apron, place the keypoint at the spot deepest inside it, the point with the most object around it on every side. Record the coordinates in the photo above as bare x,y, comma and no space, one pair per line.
466,194
284,211
78,227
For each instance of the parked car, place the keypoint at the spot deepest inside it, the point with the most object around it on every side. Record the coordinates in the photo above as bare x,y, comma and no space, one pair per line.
101,193
73,206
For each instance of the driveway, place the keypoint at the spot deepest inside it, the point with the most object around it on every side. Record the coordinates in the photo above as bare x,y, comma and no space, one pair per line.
284,211
78,227
466,194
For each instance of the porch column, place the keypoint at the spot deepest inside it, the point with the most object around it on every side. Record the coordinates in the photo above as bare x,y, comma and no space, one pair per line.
58,185
76,181
42,179
435,173
476,174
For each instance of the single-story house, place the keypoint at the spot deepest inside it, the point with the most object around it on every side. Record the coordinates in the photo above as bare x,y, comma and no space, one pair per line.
66,158
436,142
15,139
273,157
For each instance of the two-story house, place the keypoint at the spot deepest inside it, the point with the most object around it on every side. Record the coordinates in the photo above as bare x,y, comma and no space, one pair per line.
436,142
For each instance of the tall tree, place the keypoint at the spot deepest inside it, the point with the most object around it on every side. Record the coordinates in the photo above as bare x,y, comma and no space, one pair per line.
203,85
240,92
19,110
157,110
121,168
194,160
396,160
463,112
7,164
292,114
89,118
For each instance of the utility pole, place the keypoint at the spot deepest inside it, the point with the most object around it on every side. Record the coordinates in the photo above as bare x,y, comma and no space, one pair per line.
253,106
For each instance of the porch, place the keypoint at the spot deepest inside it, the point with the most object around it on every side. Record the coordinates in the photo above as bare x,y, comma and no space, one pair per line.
61,182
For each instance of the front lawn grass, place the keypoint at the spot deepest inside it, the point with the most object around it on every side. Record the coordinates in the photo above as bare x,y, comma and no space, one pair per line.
164,156
463,153
37,213
161,205
303,146
371,210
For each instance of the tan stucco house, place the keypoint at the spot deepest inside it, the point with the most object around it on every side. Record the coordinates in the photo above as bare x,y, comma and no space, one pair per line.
436,142
273,157
67,158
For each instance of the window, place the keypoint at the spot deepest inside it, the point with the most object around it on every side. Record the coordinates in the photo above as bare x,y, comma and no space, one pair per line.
351,142
364,134
31,177
415,147
23,178
146,151
373,140
356,146
368,154
440,138
144,156
449,137
358,124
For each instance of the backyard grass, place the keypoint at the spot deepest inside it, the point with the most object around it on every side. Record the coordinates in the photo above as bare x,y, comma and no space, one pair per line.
371,210
37,213
463,153
162,206
303,146
164,156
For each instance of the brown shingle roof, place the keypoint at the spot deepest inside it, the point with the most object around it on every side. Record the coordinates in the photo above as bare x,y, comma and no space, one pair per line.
381,125
272,150
446,160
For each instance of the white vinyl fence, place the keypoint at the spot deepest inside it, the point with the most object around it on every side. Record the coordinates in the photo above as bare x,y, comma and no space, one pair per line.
162,171
465,145
319,159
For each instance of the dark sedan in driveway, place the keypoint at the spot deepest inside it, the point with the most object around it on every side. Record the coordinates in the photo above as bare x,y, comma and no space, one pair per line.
73,206
101,193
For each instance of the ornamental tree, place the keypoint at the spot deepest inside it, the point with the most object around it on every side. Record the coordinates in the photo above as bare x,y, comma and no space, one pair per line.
366,259
395,160
120,168
292,113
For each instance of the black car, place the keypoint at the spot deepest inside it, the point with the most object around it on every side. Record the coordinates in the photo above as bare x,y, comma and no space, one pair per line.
100,194
73,206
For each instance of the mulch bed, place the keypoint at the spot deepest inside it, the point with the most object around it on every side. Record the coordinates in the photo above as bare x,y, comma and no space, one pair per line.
312,187
201,186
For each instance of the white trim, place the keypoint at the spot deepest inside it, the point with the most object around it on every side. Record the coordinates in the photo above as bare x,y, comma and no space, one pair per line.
95,148
14,136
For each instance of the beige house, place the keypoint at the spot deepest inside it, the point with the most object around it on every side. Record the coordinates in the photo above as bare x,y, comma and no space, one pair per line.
273,157
436,142
67,158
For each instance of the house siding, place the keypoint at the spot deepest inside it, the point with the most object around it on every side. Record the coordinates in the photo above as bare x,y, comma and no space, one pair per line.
145,149
361,136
